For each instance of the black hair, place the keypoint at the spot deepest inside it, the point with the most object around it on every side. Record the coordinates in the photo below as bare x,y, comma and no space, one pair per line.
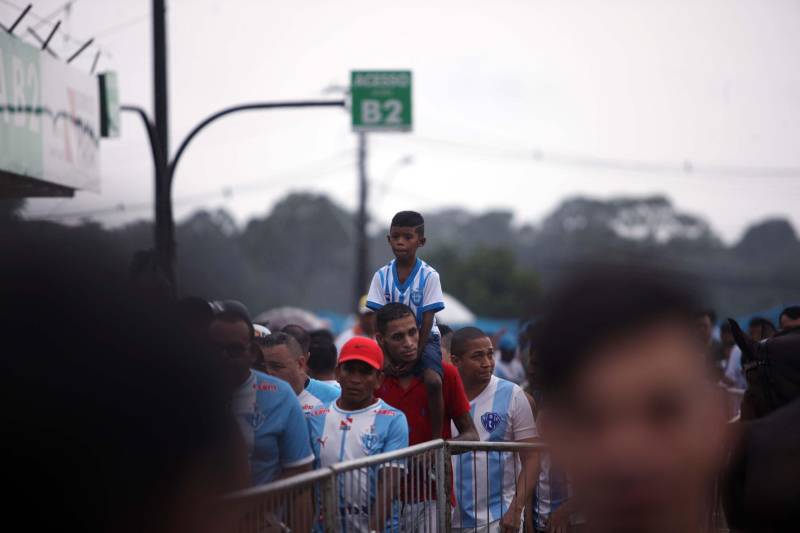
126,405
409,219
762,323
598,305
458,344
446,333
300,334
390,312
322,356
324,334
281,338
793,312
232,311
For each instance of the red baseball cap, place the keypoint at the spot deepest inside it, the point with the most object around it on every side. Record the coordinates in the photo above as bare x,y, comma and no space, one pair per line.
362,349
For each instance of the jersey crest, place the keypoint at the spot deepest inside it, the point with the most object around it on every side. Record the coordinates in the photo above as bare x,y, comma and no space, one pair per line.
369,440
416,297
258,418
490,421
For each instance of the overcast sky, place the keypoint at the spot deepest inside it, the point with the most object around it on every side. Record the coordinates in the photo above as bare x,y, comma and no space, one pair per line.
716,83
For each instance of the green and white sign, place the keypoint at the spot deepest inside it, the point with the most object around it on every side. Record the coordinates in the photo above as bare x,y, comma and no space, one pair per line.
49,118
381,100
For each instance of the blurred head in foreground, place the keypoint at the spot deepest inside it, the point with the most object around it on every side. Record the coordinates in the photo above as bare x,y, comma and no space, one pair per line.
628,403
115,418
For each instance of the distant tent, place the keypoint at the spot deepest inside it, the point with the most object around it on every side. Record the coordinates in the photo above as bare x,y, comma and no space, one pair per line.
454,313
279,317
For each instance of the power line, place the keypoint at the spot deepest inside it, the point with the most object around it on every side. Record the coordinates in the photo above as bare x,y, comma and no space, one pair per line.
276,180
44,20
133,21
573,159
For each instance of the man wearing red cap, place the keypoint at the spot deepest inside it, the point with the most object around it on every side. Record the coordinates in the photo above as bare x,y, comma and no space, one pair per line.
355,425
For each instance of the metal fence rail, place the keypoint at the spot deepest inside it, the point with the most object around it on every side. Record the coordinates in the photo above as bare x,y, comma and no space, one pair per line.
494,482
429,487
396,491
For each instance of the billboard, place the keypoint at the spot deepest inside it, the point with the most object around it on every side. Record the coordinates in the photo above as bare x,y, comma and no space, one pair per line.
49,119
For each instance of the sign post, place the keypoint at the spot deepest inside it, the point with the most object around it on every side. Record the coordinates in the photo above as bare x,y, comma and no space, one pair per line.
381,100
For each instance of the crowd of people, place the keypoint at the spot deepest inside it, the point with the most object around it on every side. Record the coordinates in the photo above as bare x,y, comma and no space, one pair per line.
144,415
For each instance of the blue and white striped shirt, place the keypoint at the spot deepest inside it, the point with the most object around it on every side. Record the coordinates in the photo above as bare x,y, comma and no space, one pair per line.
421,291
485,483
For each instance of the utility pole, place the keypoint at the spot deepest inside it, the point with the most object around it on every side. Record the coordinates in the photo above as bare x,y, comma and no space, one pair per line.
362,249
164,223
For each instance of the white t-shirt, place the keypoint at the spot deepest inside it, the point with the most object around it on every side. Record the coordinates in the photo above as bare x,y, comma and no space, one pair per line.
316,392
501,413
421,291
734,369
338,435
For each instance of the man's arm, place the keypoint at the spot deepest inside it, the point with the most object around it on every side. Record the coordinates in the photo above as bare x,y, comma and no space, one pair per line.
466,429
526,484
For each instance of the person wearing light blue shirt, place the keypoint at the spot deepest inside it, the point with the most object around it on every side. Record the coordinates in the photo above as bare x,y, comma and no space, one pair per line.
284,359
266,409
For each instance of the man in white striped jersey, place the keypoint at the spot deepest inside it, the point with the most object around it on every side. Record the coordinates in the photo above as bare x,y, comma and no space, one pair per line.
492,488
356,425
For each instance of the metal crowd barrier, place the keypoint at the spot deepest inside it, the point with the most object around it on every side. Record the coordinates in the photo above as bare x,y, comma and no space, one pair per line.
490,477
396,491
409,490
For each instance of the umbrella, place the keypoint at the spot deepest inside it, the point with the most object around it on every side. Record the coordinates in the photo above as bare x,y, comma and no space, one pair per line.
454,312
279,317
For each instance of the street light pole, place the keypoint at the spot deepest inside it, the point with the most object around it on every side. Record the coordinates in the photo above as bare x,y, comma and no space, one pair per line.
164,223
362,245
165,233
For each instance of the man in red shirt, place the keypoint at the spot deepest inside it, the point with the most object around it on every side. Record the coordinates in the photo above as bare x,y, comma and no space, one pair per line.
398,336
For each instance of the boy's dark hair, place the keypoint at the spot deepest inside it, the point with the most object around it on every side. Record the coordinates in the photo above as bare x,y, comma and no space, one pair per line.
409,219
793,312
322,356
300,334
390,312
600,305
462,336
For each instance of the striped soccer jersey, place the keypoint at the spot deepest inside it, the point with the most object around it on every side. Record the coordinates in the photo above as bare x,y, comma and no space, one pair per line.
316,393
484,490
338,435
421,291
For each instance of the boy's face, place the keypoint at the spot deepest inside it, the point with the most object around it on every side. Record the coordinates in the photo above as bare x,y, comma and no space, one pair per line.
476,363
359,381
641,431
404,241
